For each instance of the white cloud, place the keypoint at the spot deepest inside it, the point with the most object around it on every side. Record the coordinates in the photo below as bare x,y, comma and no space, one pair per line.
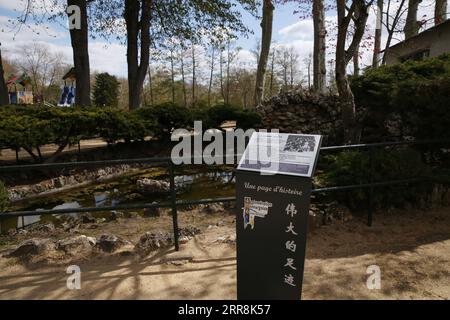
246,58
302,29
106,57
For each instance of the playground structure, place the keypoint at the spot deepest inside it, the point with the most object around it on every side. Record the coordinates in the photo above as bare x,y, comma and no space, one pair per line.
19,89
67,98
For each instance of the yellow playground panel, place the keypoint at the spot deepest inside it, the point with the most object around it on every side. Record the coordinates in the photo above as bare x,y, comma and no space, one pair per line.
19,89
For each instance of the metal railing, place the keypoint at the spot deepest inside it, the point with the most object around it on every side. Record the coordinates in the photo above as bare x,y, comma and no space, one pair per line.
173,203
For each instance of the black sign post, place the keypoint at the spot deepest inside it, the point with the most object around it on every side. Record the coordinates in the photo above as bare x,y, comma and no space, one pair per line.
271,226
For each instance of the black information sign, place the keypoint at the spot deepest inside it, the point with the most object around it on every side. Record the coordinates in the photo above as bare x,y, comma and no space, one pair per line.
271,226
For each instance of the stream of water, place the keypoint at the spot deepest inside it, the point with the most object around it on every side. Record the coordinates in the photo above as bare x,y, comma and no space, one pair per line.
191,185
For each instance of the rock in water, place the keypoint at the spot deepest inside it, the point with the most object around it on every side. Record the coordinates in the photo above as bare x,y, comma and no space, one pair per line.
152,186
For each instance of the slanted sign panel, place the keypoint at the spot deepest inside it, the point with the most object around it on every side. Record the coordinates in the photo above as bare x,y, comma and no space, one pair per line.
272,214
281,153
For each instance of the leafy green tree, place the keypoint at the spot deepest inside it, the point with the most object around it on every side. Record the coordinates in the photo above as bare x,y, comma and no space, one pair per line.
151,23
106,90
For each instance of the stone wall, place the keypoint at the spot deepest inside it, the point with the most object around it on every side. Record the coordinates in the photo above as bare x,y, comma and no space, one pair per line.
304,112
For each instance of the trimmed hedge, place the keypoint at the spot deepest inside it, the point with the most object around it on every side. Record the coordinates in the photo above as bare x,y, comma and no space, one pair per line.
31,127
166,117
245,119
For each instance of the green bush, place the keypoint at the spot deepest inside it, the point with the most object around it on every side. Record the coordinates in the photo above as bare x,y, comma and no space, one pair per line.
115,125
165,118
424,108
353,168
416,93
245,119
4,198
34,126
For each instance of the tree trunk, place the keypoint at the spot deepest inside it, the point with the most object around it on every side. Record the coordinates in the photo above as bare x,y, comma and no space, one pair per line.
343,57
319,68
150,84
4,99
222,92
411,26
309,75
291,70
285,71
266,39
137,21
172,75
211,76
227,97
193,75
183,80
440,11
79,41
377,40
272,73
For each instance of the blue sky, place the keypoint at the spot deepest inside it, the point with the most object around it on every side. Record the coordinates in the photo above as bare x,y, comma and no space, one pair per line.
110,57
288,30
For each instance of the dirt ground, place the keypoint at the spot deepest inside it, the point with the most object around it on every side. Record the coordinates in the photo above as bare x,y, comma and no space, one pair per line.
10,155
412,250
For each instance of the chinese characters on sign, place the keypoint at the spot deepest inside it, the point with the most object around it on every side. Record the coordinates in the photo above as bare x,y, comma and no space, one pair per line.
291,246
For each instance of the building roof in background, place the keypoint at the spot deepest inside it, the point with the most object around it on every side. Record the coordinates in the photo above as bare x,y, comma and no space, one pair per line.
23,79
70,74
442,25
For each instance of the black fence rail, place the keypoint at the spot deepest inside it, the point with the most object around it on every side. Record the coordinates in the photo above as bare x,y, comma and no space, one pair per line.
173,203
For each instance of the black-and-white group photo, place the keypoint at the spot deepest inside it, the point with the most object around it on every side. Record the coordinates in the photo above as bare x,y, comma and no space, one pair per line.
297,143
